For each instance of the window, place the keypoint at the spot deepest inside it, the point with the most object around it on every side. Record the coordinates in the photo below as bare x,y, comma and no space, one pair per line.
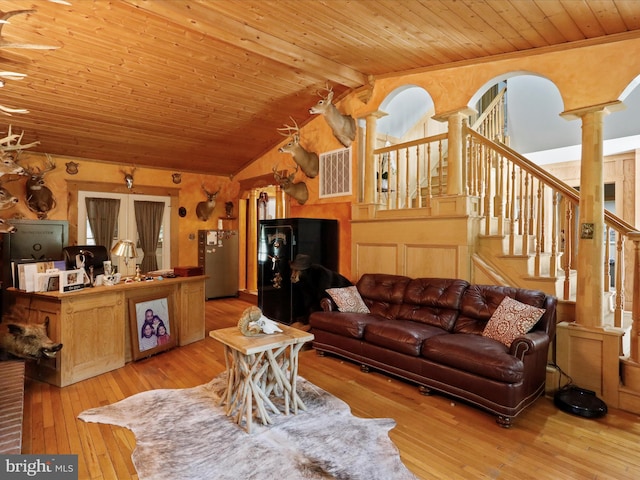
126,227
335,173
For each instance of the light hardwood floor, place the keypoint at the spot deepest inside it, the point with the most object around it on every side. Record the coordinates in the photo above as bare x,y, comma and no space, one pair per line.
438,438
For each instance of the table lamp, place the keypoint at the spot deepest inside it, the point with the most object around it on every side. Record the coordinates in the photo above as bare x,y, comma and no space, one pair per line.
126,249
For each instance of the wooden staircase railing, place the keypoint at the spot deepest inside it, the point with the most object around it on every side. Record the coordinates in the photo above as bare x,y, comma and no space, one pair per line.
409,174
532,209
526,203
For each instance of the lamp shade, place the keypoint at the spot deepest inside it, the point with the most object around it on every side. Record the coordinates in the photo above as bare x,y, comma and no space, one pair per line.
126,249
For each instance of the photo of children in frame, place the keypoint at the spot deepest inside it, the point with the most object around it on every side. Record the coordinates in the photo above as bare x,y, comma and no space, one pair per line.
152,326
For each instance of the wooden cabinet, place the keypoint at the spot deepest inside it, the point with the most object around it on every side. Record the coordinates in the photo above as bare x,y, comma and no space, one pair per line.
191,308
93,324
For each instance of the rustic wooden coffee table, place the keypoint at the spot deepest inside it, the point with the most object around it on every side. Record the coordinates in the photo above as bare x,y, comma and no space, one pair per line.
258,368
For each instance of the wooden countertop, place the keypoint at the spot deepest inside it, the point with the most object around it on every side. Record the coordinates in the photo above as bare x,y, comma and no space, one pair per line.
122,286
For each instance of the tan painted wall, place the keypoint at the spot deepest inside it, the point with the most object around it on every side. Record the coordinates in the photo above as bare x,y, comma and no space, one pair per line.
107,177
585,76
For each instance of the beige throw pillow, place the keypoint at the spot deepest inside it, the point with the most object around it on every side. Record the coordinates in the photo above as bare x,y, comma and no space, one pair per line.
348,299
510,320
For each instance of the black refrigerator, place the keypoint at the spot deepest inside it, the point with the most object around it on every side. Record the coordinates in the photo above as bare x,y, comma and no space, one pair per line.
279,241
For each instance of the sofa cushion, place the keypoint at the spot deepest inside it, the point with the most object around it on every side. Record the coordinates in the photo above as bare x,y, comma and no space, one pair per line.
382,293
510,320
434,301
348,299
475,354
344,324
400,335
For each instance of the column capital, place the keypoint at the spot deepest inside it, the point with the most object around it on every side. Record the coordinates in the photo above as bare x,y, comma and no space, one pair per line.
465,111
607,108
374,114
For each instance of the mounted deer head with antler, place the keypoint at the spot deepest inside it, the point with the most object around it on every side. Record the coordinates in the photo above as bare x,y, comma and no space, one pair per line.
10,150
343,126
128,177
7,199
308,161
39,197
296,190
205,209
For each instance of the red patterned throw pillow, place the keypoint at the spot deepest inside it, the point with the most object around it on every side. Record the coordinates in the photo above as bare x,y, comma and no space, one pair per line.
348,300
511,319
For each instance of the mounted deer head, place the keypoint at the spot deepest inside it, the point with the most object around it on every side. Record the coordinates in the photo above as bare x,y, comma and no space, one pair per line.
6,227
7,199
308,161
343,126
128,177
39,197
205,209
10,150
295,190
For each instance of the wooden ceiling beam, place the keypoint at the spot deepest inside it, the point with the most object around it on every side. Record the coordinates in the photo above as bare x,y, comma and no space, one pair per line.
204,20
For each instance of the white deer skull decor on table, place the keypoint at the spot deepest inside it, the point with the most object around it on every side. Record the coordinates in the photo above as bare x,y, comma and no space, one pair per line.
343,126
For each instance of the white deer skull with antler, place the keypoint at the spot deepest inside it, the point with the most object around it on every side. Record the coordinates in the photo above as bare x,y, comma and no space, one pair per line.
128,177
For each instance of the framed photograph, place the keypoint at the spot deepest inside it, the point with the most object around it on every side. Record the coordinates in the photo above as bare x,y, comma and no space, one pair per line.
71,280
152,328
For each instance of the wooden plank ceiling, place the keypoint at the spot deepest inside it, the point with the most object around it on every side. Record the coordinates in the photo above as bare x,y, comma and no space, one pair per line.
202,85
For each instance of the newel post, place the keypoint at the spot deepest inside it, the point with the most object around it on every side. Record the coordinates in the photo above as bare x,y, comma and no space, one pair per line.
635,311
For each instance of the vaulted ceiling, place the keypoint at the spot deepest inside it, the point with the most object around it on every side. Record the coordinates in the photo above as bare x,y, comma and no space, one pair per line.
202,85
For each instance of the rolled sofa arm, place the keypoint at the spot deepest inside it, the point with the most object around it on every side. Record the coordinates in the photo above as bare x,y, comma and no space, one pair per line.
529,344
327,305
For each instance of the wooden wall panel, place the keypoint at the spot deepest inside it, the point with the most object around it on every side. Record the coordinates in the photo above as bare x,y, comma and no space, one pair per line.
431,261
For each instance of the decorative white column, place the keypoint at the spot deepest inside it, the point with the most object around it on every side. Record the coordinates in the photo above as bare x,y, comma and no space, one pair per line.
252,245
369,162
590,288
455,160
367,208
587,349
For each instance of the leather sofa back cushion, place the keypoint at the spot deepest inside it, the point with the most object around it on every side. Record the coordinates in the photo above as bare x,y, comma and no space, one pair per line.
433,301
480,301
382,293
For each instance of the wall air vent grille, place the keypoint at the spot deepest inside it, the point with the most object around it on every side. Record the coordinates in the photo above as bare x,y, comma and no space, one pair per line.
335,173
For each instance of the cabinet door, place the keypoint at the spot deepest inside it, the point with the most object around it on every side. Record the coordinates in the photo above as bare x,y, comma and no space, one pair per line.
275,252
94,326
191,312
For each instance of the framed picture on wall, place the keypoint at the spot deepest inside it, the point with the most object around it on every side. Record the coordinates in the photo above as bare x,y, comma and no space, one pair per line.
152,328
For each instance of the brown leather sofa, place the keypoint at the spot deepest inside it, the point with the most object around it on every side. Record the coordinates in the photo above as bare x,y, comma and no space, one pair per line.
429,331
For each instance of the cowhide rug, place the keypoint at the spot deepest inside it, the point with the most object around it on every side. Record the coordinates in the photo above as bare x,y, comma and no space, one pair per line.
185,434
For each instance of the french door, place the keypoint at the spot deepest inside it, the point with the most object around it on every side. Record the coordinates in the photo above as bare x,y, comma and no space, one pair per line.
126,228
